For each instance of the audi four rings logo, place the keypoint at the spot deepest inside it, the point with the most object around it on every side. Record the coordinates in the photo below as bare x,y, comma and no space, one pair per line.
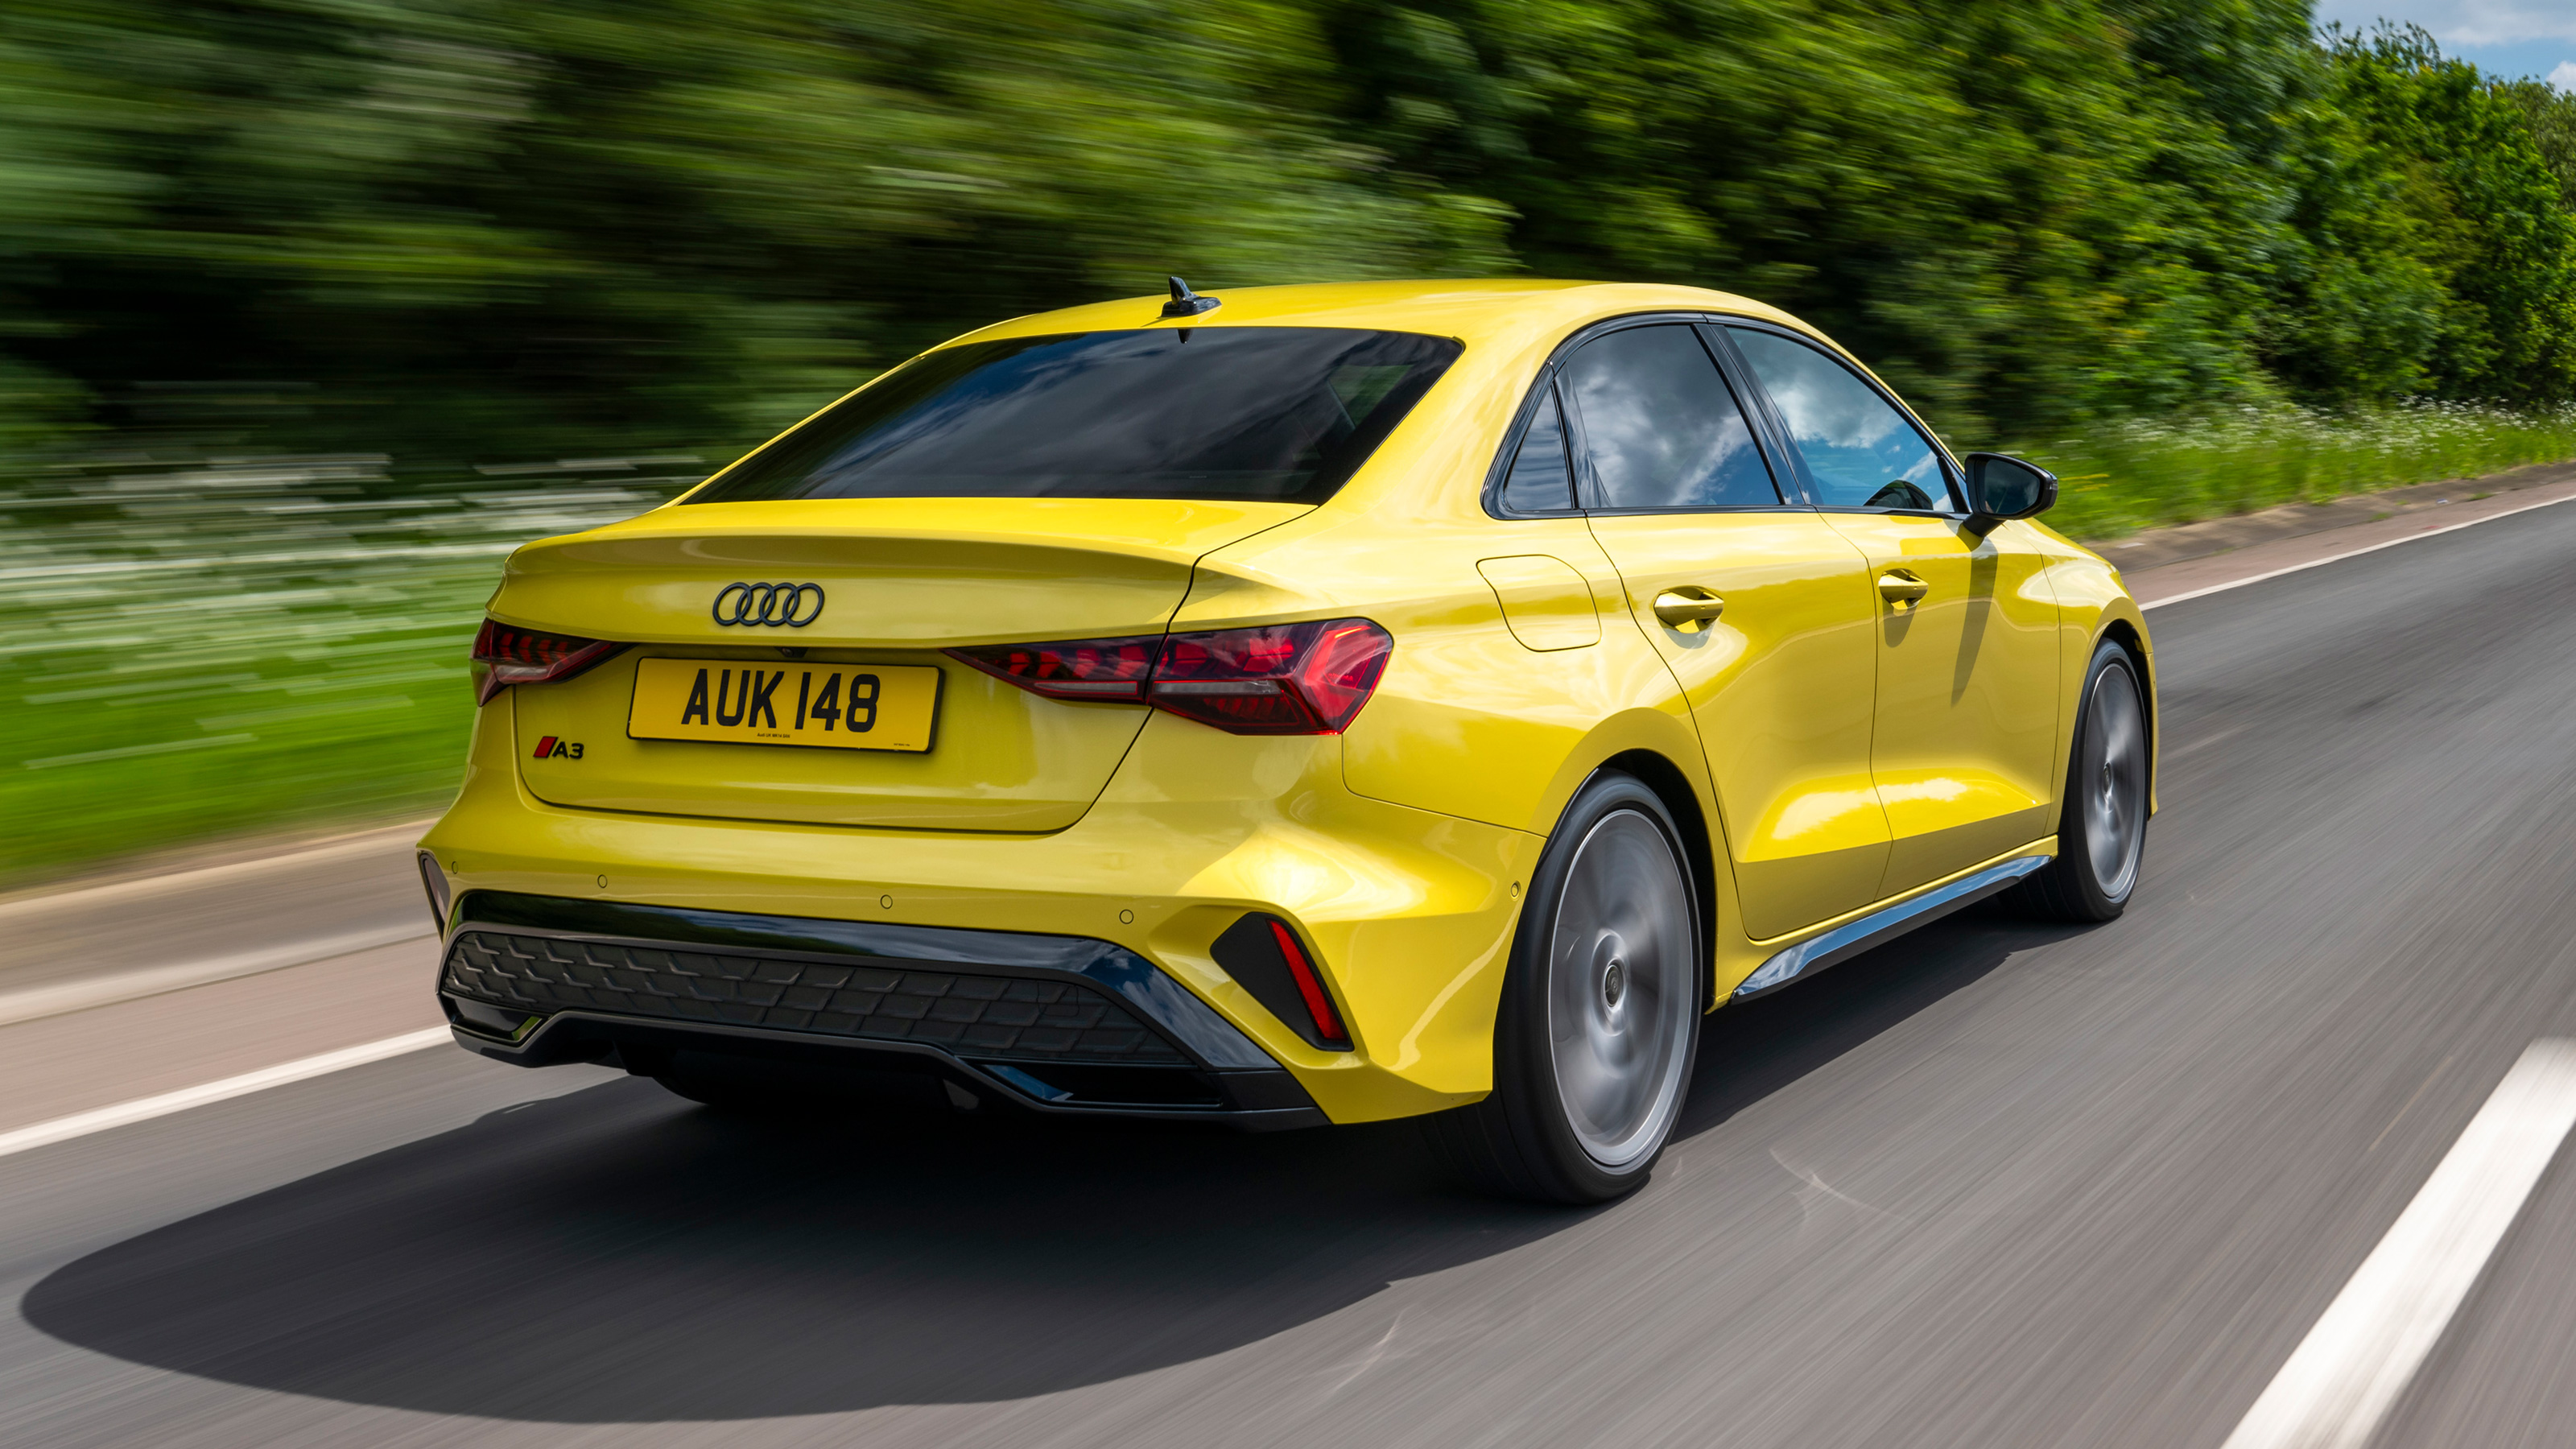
769,604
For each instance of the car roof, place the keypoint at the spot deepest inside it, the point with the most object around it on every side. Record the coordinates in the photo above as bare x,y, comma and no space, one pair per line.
1475,311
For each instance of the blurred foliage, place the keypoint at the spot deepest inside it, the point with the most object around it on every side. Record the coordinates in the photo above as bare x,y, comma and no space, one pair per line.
2480,212
477,229
290,289
2023,214
2551,115
462,230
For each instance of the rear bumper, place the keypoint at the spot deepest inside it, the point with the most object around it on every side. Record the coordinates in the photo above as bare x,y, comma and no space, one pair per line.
1409,913
1053,1023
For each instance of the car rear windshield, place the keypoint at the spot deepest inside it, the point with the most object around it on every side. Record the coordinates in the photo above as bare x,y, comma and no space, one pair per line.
1280,414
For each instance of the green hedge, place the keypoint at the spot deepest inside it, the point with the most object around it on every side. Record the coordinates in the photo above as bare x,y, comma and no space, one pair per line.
469,230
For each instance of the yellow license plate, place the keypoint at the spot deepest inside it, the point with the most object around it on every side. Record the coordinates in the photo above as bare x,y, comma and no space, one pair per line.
747,702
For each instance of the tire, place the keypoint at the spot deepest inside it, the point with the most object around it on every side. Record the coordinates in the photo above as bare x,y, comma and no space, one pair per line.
1600,1014
2102,824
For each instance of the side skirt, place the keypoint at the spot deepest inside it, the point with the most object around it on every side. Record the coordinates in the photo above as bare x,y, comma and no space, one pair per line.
1879,927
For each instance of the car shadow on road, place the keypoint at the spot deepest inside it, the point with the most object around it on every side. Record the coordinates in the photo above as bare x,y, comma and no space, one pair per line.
617,1256
1751,1050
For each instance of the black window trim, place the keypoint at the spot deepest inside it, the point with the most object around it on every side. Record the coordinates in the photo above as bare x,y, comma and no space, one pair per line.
1957,475
1500,474
1769,441
1788,469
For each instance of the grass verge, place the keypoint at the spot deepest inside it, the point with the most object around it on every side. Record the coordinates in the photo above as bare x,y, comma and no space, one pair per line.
215,648
2141,474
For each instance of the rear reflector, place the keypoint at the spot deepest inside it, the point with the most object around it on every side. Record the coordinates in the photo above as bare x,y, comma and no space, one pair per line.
1276,679
1328,1023
505,654
1264,956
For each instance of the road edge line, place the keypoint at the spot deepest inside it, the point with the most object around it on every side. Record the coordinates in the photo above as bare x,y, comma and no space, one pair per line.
88,993
2318,563
40,898
2345,1376
144,1109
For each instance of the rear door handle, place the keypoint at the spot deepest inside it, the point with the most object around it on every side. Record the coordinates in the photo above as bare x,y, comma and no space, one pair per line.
1688,607
1899,587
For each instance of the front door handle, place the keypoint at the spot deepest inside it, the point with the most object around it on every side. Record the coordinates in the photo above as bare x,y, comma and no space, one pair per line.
1899,587
1688,608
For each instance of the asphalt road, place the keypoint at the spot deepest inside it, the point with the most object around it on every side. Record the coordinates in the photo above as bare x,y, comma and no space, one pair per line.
1996,1185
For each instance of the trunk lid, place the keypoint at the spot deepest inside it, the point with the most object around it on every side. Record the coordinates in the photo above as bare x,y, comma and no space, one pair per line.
900,580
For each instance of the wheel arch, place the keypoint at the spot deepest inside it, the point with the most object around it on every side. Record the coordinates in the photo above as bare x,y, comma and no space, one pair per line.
1699,837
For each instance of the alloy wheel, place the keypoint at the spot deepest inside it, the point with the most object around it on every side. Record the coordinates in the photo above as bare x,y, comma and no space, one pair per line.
2114,777
1622,997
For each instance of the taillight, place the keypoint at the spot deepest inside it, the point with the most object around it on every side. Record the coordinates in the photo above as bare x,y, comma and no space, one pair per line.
1273,679
505,654
1116,669
1285,679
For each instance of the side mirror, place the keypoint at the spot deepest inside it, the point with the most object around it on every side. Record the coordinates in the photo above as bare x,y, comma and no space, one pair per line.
2001,487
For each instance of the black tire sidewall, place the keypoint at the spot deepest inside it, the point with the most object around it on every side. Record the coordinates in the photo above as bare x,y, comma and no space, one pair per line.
1524,1068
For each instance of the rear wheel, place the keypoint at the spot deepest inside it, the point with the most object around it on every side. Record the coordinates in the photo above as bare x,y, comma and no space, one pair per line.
2102,827
1600,1012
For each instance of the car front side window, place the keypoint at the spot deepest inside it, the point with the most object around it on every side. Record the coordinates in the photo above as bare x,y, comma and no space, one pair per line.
1859,450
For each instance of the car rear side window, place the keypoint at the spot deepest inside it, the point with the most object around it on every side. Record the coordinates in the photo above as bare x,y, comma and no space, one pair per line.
1660,427
1282,414
1861,452
1539,481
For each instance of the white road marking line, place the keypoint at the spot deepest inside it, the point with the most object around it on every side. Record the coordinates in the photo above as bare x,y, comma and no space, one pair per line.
2345,1376
31,1002
2316,563
81,1124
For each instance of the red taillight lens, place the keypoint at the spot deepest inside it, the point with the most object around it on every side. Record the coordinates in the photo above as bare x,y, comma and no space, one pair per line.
1114,669
505,654
1277,679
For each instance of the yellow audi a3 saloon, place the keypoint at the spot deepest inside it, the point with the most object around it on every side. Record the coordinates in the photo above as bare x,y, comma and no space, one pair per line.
1287,706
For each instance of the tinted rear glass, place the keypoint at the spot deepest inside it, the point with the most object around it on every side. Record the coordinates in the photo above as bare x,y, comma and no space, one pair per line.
1284,414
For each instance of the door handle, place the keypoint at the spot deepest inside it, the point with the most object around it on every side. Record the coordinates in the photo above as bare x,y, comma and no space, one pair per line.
1899,587
1689,607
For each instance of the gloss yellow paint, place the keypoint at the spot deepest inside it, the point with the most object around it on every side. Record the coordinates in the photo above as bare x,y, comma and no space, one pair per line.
1801,732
